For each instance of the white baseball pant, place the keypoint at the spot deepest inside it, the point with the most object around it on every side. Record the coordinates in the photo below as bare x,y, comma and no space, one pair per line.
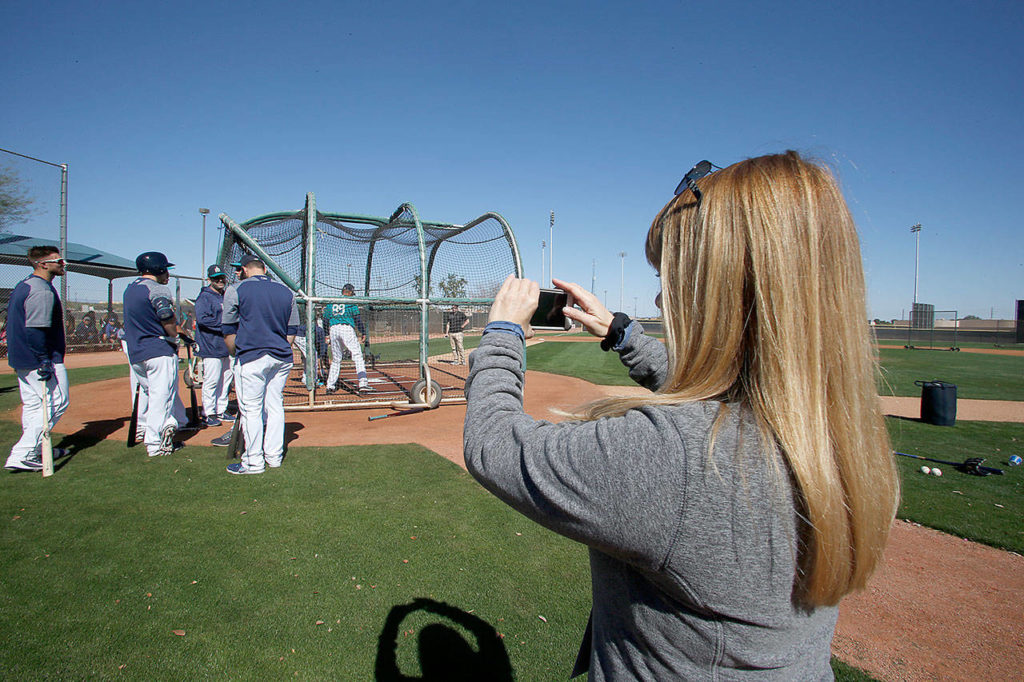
345,334
158,379
31,388
133,380
262,400
217,378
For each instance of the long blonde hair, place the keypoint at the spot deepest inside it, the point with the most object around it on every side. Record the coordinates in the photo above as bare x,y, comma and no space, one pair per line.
762,292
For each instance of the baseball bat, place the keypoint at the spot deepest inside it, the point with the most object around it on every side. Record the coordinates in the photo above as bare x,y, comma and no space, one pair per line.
133,425
46,446
191,384
234,444
396,414
971,465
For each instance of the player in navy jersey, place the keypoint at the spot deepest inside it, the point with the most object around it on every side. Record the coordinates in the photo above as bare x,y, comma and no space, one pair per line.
35,351
259,323
151,333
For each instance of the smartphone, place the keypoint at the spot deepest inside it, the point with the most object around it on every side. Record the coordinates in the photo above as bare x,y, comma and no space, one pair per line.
549,313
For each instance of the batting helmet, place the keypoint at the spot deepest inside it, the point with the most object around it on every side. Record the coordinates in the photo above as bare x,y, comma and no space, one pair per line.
152,263
348,287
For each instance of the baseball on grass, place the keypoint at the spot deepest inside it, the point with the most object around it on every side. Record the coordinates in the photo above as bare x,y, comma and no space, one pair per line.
936,471
925,470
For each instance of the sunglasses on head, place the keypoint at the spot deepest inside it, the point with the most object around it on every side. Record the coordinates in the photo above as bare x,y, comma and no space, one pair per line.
689,180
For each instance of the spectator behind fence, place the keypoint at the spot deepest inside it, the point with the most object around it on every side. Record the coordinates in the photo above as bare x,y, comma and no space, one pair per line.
728,511
111,331
86,332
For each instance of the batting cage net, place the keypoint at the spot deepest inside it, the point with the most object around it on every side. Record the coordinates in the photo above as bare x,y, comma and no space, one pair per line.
419,298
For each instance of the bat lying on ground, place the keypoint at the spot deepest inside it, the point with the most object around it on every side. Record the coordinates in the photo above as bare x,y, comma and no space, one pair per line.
133,425
971,465
414,410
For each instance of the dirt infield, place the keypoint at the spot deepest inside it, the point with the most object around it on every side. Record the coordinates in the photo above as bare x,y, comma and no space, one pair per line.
941,608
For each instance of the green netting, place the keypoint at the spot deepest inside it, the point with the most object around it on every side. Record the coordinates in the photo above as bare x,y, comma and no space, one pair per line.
406,273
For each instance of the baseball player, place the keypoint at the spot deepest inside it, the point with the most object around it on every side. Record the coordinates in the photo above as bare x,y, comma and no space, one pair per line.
217,373
343,321
454,324
151,334
35,351
259,323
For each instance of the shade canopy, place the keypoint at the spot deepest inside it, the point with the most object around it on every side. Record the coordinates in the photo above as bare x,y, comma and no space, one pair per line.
81,258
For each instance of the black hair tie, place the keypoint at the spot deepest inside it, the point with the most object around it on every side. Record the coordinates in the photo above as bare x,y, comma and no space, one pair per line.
616,330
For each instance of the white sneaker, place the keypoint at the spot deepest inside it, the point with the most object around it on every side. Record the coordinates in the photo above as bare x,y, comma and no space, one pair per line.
32,462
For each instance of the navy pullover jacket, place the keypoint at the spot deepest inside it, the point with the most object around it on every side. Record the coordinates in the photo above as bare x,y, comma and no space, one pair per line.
209,309
35,325
262,314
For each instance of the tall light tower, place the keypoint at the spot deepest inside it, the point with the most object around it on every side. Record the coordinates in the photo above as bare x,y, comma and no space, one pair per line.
916,229
622,275
551,247
593,275
202,265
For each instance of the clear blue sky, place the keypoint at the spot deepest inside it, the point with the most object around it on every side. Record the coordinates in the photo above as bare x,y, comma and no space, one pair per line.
593,110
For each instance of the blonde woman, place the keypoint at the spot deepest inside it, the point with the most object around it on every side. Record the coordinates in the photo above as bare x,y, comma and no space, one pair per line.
728,511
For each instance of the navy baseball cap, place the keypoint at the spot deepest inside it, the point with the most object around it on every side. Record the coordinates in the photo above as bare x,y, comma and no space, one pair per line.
215,271
245,260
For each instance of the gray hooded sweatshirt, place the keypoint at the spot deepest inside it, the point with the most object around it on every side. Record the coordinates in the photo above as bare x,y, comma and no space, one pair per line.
692,554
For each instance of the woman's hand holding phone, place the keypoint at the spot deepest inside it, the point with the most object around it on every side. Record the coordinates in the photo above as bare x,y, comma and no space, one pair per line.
516,301
591,313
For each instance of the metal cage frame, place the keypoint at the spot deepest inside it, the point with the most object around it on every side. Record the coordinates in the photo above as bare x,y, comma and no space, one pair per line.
305,290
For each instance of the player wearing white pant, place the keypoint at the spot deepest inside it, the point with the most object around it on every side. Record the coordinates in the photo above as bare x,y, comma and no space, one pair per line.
259,323
263,413
31,387
217,374
158,382
35,350
343,319
216,387
150,331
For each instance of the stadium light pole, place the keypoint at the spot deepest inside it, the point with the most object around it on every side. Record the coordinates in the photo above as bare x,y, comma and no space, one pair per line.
916,229
202,265
593,275
622,275
551,247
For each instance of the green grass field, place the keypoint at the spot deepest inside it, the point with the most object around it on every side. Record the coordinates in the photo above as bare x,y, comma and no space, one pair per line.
977,376
577,359
987,509
295,571
396,351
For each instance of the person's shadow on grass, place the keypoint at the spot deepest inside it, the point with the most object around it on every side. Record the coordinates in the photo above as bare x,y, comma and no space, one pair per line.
443,652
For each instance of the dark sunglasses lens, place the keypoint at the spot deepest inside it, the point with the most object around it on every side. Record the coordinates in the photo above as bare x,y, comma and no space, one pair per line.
694,174
700,170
